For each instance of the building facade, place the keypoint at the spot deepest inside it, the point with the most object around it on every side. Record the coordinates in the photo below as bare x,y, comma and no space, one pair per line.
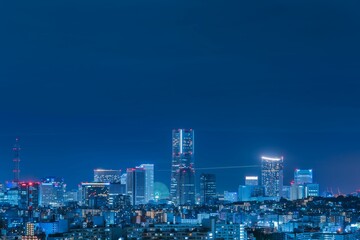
207,188
149,181
95,194
135,185
28,195
52,190
182,158
272,175
107,175
303,176
251,180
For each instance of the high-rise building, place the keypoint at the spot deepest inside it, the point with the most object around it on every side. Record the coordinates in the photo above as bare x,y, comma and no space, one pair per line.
207,188
186,186
297,191
72,196
303,176
28,195
250,192
182,165
116,190
107,175
312,190
272,175
244,193
303,185
286,192
95,194
52,190
149,181
251,180
135,185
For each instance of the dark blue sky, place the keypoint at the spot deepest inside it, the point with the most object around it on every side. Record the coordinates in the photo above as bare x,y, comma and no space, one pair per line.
89,84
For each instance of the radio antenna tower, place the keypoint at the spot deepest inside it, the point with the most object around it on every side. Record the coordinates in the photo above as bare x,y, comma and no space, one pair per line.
16,160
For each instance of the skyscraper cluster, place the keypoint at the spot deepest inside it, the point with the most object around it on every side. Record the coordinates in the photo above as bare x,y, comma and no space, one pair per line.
272,183
136,184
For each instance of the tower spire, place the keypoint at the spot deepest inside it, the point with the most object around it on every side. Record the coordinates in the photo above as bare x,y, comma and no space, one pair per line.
16,160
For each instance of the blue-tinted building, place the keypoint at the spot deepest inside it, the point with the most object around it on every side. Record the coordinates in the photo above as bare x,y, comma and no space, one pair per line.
135,185
303,176
182,158
272,175
207,188
52,191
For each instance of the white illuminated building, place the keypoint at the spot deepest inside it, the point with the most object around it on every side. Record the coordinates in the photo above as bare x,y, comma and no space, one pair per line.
272,175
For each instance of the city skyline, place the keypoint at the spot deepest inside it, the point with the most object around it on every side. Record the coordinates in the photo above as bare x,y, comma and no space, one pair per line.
180,119
299,175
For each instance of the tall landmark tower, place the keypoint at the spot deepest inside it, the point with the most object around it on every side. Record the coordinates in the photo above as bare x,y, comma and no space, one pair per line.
182,185
272,175
16,160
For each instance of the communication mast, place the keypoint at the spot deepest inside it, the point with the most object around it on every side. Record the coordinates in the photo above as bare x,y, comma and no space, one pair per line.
16,160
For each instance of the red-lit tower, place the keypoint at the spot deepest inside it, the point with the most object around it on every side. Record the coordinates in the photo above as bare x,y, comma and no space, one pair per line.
16,160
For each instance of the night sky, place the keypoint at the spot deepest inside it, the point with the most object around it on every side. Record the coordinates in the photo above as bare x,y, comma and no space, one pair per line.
89,84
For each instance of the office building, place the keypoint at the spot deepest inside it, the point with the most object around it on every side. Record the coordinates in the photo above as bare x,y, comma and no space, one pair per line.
149,181
52,190
303,176
72,196
244,193
107,175
182,158
207,188
297,191
95,194
251,180
135,185
286,192
28,195
250,192
116,190
272,175
301,191
186,186
312,190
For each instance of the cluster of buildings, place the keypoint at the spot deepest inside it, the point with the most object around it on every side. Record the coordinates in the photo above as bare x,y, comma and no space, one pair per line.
130,205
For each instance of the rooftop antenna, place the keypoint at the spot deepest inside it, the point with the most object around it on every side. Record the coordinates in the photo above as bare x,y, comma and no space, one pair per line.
16,160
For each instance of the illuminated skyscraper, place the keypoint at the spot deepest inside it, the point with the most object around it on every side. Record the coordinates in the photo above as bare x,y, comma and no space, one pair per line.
182,158
149,181
28,195
107,175
303,176
95,194
272,175
135,185
186,186
52,190
207,188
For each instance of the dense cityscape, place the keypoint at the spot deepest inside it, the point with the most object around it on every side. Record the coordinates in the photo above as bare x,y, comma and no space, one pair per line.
130,204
